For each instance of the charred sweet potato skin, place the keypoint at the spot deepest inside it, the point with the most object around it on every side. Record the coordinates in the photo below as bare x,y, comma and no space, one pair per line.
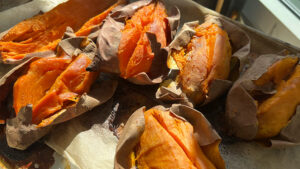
169,142
205,58
135,54
52,89
275,112
43,32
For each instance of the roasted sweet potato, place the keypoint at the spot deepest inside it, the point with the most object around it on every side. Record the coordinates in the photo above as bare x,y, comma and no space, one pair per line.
43,32
205,58
135,53
275,112
169,142
52,84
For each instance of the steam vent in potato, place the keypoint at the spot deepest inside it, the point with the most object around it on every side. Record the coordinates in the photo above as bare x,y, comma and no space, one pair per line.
43,32
263,102
202,55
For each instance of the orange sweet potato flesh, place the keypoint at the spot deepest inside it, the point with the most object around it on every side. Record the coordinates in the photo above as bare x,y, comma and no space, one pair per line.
168,142
276,111
135,53
43,32
67,88
212,152
42,73
279,71
205,58
50,90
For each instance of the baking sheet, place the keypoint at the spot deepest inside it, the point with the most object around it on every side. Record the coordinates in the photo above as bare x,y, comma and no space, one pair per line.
236,153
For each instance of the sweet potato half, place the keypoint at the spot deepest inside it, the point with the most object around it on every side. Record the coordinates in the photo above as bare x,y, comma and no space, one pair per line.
205,58
169,142
51,84
135,53
43,32
275,112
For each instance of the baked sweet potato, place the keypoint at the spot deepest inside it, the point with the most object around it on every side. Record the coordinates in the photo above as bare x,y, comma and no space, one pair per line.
275,112
205,58
134,52
263,104
52,84
43,32
169,142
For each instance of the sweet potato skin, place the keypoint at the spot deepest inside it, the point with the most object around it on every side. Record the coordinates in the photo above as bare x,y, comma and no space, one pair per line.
275,112
43,32
205,58
168,142
135,53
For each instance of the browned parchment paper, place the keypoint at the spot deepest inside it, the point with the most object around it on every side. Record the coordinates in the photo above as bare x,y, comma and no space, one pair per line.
134,128
109,39
241,108
19,130
87,141
240,43
90,140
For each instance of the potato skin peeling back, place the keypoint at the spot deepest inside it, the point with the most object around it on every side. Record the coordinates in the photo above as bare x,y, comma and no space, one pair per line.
169,142
135,53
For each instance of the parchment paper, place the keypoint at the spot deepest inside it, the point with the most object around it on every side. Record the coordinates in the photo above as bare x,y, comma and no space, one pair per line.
87,136
94,135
